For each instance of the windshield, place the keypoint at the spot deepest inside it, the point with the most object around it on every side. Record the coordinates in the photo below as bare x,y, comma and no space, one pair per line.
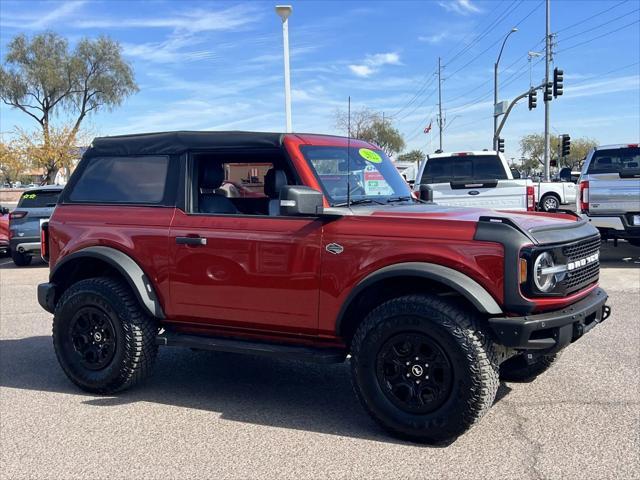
369,173
39,199
615,160
463,167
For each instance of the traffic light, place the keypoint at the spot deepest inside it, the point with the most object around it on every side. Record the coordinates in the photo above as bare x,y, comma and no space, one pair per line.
558,77
501,145
566,145
547,91
533,99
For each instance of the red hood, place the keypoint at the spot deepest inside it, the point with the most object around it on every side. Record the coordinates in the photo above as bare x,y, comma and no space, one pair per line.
525,220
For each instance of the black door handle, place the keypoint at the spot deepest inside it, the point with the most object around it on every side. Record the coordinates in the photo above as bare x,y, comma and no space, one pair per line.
191,241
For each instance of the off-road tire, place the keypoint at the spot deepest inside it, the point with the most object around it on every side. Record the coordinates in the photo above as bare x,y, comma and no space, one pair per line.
517,369
546,200
472,359
134,332
21,259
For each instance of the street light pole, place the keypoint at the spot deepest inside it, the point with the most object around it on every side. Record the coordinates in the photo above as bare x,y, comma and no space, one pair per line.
284,11
547,59
495,88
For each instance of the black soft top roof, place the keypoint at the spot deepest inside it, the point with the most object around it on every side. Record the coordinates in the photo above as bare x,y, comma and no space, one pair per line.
173,143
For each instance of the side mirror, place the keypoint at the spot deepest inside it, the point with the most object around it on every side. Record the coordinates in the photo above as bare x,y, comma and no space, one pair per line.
426,193
300,200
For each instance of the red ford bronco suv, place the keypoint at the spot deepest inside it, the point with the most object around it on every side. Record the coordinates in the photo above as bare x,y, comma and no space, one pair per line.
320,253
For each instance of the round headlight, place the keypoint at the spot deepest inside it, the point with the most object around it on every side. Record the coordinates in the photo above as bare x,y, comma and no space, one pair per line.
544,281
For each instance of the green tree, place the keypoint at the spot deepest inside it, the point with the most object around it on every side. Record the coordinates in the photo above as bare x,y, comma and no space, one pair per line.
44,79
12,161
413,156
384,135
532,148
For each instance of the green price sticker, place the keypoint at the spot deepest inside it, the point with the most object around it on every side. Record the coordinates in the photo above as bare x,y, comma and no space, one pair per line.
370,155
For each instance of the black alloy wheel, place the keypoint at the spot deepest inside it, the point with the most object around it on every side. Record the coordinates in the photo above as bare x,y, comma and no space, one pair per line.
414,372
93,337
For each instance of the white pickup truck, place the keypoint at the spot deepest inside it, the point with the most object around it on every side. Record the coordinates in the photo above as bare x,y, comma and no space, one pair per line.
550,195
474,179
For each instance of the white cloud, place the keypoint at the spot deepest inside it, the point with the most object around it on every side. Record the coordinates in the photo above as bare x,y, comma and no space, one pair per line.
433,39
372,63
194,21
461,7
35,20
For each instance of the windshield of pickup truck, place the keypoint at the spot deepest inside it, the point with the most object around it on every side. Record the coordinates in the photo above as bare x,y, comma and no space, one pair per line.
615,160
370,174
463,167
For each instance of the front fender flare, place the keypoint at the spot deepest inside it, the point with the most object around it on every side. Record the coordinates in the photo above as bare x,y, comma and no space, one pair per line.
128,268
461,283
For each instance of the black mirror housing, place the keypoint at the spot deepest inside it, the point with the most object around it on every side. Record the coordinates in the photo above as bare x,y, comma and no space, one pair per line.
300,200
426,193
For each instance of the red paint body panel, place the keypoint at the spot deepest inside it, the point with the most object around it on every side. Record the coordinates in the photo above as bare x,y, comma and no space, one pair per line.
4,230
271,277
140,232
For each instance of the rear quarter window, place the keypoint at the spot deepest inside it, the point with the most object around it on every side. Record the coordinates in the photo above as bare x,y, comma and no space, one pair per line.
137,180
467,167
39,199
615,160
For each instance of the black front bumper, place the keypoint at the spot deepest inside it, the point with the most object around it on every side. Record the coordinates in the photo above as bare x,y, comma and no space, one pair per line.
552,331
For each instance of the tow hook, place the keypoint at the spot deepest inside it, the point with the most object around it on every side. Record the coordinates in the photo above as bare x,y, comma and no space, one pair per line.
606,312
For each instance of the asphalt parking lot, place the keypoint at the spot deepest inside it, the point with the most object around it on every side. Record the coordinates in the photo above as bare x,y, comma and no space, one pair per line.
211,415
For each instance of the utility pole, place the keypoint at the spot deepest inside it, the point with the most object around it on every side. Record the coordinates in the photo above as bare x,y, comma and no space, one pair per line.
547,60
440,122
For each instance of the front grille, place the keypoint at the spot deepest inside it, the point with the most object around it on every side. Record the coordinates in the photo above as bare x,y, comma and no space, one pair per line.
585,275
583,249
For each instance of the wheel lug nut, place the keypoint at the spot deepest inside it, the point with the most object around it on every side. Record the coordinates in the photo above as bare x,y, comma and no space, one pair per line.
407,374
417,381
408,363
417,358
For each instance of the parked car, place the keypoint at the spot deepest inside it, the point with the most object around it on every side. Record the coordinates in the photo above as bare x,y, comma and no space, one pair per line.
610,191
550,196
433,304
4,230
408,170
474,179
34,207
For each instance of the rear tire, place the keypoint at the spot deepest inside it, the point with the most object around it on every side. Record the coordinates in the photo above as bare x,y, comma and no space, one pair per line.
517,369
423,368
20,259
103,339
549,202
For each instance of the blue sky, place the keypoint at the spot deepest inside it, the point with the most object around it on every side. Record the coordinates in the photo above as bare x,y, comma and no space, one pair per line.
218,65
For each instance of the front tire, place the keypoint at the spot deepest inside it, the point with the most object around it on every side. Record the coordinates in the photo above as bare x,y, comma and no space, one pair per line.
103,339
423,368
20,259
549,203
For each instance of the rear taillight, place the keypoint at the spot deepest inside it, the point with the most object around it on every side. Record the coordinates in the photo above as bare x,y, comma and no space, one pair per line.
44,241
17,214
531,199
584,196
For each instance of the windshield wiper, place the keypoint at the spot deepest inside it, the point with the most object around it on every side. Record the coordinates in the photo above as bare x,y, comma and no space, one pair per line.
359,201
399,199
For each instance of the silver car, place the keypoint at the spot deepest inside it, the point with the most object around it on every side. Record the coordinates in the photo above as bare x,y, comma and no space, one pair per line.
35,206
609,195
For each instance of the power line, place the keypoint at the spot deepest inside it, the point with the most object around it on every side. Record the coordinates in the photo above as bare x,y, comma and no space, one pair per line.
601,25
598,37
600,76
584,20
489,29
416,95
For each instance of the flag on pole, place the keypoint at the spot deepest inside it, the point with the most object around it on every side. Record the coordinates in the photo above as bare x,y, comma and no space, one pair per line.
427,129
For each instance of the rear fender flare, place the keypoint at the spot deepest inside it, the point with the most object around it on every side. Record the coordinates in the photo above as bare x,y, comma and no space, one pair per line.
126,266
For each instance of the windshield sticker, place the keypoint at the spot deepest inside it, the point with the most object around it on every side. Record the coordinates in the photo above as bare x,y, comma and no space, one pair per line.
29,196
374,182
370,155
